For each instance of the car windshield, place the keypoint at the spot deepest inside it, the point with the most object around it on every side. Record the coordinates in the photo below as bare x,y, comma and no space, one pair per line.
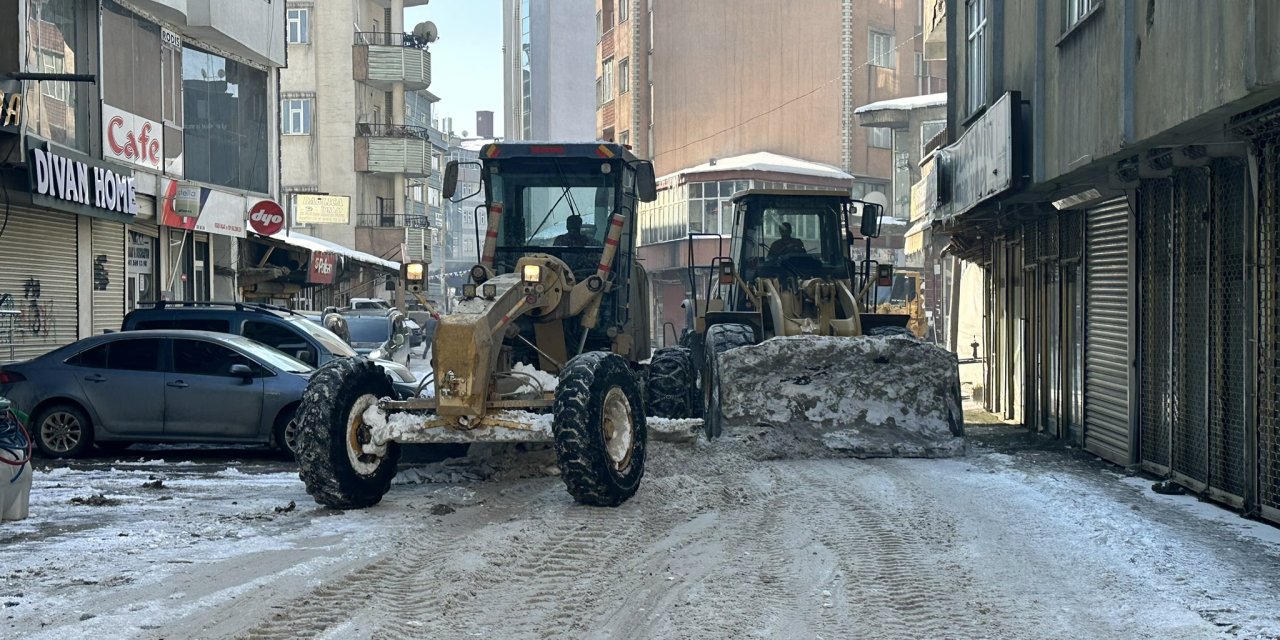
270,356
325,337
369,329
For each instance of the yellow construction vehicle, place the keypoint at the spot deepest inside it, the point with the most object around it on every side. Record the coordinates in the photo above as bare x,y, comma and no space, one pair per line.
906,297
543,345
790,276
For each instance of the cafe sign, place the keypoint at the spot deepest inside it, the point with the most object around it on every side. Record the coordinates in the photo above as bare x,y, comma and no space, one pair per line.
132,139
61,180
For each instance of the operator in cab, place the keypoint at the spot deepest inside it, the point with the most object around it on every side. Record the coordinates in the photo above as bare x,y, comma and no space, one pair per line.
787,244
574,237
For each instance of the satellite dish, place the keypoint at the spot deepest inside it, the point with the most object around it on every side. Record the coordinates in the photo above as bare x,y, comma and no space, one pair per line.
426,32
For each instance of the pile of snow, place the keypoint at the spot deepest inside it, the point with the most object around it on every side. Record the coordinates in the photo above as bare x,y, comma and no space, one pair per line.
546,381
868,396
486,462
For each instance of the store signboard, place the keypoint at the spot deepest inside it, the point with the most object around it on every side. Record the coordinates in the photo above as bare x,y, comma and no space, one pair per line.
196,208
317,209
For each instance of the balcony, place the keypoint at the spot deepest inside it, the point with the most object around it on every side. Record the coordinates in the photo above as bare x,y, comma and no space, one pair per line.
383,59
391,148
390,220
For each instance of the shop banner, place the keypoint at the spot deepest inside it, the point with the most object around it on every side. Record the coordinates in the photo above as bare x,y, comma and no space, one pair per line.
323,267
132,139
196,208
139,253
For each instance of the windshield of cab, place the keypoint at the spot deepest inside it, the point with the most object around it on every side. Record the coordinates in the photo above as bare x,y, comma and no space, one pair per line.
555,203
332,343
782,233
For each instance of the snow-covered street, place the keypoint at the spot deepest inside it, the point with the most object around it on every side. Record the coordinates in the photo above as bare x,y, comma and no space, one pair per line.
745,537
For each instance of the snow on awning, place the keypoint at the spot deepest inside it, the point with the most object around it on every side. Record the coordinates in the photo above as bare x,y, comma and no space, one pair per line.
304,241
912,102
766,161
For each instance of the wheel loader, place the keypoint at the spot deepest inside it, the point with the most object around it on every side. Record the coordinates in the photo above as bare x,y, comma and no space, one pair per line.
543,345
790,284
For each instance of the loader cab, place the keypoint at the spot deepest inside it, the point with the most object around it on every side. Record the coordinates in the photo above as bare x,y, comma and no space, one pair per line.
791,235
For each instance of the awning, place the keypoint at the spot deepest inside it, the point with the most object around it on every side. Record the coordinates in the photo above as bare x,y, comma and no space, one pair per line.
304,241
913,239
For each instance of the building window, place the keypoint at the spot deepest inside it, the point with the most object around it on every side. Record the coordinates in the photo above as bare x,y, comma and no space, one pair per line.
709,208
880,50
226,113
624,76
1077,10
624,10
880,137
624,138
975,55
295,115
58,42
299,23
606,82
928,130
433,197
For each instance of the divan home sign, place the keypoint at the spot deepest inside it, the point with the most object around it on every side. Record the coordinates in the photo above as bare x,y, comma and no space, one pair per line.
73,181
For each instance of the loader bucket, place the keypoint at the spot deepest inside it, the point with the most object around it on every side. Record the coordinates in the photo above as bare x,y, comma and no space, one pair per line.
869,396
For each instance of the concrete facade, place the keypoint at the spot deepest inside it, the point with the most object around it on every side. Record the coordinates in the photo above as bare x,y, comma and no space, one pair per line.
357,140
548,54
1130,246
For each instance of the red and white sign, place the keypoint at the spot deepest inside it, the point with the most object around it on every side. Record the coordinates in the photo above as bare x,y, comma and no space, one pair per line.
324,266
266,217
188,206
131,139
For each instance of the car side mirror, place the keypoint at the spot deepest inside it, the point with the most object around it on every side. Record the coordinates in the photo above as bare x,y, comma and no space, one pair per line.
871,214
241,370
450,185
646,184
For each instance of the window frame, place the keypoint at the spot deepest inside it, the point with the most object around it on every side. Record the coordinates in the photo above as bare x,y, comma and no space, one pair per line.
877,57
874,137
606,81
304,108
624,72
975,76
301,18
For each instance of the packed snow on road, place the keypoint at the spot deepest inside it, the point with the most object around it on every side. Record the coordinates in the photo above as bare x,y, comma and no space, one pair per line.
757,534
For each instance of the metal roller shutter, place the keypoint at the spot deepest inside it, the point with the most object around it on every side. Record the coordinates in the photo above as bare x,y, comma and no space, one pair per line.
38,279
1106,348
109,275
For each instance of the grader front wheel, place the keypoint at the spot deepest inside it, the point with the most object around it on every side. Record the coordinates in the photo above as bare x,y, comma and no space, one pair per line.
331,435
599,425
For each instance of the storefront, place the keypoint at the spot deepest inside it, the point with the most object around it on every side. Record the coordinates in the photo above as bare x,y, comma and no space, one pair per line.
62,238
199,234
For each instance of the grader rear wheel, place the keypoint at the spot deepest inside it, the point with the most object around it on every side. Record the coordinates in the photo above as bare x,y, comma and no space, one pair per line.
599,425
331,435
720,338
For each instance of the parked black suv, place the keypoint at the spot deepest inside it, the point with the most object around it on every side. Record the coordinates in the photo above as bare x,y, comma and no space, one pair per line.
278,327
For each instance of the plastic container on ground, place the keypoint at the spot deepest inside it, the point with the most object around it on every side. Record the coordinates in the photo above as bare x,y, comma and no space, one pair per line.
15,495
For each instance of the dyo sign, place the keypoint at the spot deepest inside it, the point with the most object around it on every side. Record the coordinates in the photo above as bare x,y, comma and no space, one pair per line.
266,217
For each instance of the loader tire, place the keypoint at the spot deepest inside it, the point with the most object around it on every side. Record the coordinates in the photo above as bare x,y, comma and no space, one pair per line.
330,433
598,421
720,339
671,389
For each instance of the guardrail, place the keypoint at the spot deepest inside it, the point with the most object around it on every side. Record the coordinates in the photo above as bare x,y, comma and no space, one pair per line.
375,130
384,39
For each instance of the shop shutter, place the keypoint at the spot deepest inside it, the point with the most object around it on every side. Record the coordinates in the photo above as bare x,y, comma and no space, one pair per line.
37,279
1106,348
109,275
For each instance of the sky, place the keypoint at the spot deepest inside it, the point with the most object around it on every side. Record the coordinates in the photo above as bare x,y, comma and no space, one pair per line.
466,62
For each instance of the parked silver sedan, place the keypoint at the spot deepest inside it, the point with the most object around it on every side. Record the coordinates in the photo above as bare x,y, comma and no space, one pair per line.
157,386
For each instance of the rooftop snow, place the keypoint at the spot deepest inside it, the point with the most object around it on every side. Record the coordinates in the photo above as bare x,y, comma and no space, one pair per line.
912,102
316,244
766,161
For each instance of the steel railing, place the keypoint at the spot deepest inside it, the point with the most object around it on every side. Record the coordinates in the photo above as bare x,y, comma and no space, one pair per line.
387,130
392,220
384,39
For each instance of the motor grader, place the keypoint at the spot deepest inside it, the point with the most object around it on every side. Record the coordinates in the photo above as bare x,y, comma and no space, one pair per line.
791,272
543,345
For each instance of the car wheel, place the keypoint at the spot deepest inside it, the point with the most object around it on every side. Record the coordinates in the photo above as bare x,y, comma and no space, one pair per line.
285,433
63,431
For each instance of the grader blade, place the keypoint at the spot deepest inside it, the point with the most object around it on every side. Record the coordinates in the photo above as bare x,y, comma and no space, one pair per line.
866,396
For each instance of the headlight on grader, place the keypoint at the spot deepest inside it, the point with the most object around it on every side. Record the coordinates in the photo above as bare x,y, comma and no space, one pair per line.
490,291
532,273
468,291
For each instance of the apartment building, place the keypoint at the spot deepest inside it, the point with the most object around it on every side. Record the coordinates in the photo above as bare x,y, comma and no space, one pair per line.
548,62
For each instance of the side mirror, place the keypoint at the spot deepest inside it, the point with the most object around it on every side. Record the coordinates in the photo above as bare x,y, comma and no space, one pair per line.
646,184
871,214
241,370
450,186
